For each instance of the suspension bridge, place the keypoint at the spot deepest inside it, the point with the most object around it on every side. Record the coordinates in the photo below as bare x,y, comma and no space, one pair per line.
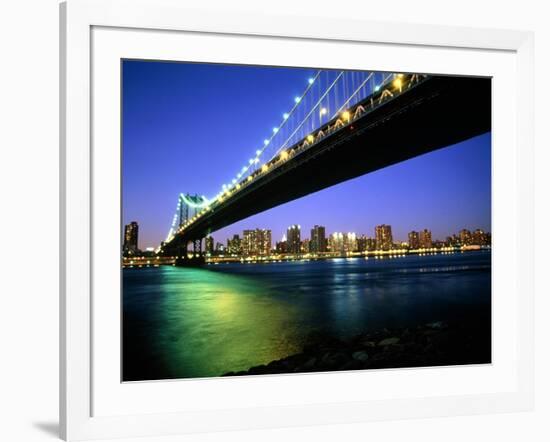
345,124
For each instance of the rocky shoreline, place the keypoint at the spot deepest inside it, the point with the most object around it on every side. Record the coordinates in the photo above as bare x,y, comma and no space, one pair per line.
434,344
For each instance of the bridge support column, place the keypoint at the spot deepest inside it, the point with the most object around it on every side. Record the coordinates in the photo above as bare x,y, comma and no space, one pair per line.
182,252
197,248
196,260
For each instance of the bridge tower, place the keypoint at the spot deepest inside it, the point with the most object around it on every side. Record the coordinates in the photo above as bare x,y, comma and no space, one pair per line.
184,212
189,206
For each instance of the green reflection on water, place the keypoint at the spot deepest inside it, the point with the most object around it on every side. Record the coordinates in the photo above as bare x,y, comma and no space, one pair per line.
214,323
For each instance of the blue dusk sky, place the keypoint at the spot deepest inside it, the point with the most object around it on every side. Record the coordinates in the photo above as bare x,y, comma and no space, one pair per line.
189,128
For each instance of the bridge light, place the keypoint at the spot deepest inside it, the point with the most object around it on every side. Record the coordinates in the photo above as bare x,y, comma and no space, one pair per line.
310,138
346,115
233,180
400,75
239,175
284,155
249,177
285,116
323,111
311,80
264,168
398,83
256,160
251,161
376,88
297,99
258,152
275,130
266,142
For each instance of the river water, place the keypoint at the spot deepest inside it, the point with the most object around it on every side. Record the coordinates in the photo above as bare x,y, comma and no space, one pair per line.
202,322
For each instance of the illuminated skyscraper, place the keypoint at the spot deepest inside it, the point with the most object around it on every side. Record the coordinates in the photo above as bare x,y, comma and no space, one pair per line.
293,242
234,245
265,243
256,242
350,242
280,246
362,243
318,240
383,236
480,238
414,240
371,244
130,246
425,239
465,237
209,245
336,242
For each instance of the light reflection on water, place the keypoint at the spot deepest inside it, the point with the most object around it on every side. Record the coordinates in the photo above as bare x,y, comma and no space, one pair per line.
190,322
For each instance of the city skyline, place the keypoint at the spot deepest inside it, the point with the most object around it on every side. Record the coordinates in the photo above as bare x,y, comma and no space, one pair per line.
169,146
428,237
319,237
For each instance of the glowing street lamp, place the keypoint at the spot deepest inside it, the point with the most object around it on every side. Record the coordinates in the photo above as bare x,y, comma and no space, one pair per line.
323,111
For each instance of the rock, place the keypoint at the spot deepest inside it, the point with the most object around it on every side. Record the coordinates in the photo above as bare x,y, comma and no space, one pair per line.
369,344
426,344
309,364
361,356
388,341
332,360
437,325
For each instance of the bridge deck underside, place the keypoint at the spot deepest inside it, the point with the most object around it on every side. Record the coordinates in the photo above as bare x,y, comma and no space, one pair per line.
435,114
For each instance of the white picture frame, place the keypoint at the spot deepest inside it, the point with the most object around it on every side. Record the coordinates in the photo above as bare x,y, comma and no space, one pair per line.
83,413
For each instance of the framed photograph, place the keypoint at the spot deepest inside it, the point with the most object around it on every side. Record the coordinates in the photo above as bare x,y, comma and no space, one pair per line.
276,221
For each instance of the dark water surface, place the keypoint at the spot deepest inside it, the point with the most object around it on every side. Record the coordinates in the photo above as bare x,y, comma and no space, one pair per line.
199,322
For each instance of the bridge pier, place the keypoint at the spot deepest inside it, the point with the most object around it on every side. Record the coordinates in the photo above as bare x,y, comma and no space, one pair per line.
183,259
197,248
